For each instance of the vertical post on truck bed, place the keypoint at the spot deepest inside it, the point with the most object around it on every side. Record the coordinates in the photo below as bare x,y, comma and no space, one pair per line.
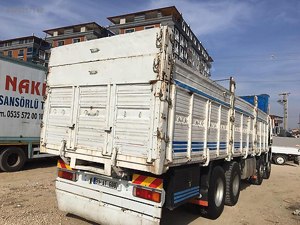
231,119
241,134
254,136
248,137
219,131
190,127
171,123
206,127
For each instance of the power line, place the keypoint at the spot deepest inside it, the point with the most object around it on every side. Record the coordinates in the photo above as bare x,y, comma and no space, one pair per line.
267,81
254,60
273,55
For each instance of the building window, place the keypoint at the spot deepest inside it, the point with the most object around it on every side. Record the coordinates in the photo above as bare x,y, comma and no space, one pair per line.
41,54
29,51
47,56
129,30
148,27
181,40
60,43
176,47
176,34
181,52
7,44
76,40
35,51
21,53
21,41
183,26
9,53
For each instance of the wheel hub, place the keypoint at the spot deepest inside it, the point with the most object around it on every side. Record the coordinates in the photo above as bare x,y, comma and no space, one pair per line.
219,193
235,185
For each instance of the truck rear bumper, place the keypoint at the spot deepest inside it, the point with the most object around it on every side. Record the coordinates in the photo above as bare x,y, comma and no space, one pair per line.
104,208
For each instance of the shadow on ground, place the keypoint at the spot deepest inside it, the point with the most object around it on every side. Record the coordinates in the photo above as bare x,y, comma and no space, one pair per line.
40,163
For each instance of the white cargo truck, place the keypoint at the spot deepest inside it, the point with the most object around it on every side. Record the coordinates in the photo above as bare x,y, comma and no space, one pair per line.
285,149
138,131
22,86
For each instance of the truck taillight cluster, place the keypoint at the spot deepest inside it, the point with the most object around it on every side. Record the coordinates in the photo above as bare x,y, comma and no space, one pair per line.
148,194
65,171
66,174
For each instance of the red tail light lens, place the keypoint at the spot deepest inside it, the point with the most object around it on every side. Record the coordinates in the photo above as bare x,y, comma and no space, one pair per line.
151,195
69,175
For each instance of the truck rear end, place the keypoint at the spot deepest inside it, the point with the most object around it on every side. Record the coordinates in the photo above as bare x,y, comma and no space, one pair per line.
138,130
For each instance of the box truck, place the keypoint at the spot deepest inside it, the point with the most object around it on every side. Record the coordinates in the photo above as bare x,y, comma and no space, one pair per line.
22,87
285,149
138,130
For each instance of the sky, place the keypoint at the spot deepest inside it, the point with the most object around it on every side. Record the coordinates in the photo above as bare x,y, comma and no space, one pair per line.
255,41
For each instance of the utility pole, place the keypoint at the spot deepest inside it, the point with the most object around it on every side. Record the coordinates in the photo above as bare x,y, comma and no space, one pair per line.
284,102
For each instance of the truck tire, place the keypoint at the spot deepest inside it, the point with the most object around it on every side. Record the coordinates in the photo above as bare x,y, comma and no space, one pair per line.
257,178
279,159
216,194
233,181
267,170
12,159
297,160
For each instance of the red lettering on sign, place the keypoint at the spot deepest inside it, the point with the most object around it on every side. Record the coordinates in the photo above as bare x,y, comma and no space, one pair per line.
24,86
44,89
10,82
35,88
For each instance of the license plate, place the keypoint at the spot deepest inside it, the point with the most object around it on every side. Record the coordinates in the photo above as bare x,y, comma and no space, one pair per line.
106,183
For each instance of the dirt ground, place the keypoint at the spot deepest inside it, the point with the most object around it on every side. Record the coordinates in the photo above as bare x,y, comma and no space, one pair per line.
28,197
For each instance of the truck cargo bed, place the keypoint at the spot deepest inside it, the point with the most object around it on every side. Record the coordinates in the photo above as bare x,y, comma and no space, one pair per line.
133,105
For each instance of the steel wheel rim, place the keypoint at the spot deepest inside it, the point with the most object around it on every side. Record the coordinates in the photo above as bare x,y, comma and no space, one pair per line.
235,185
219,192
261,170
280,160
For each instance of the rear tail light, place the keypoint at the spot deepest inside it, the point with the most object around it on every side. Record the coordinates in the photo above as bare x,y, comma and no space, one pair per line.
148,194
65,171
65,174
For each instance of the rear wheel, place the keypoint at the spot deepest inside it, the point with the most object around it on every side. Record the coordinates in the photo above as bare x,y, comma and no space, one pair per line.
257,178
267,168
12,159
233,179
279,159
297,160
216,194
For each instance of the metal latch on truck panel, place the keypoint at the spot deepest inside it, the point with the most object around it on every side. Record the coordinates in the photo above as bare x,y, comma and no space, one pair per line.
108,130
94,50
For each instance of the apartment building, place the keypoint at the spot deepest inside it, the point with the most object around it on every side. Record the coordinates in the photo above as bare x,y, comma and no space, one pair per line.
29,48
75,33
187,47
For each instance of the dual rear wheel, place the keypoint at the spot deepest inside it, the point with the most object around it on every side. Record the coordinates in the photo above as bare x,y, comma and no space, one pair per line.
224,189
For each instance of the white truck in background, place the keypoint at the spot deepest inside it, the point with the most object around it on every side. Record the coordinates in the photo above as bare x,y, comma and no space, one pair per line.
285,149
138,131
22,86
